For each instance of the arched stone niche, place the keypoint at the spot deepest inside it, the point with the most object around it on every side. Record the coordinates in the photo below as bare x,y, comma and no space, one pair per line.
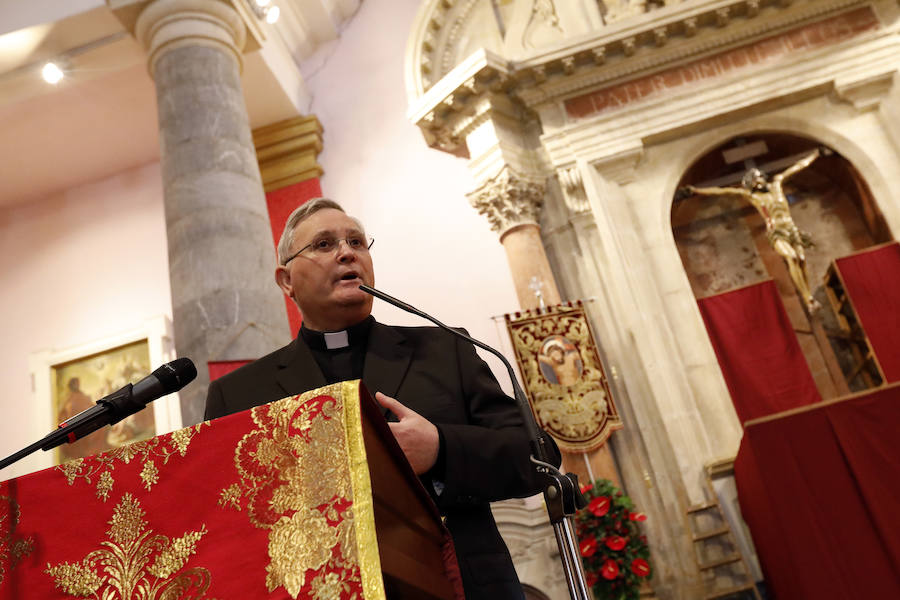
723,244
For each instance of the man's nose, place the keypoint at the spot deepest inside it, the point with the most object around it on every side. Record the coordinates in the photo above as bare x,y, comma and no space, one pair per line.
344,252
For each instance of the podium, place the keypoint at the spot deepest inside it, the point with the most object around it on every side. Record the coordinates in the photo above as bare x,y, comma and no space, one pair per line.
306,497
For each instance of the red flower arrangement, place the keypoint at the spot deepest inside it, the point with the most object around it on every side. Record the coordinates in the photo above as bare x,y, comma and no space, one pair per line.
614,553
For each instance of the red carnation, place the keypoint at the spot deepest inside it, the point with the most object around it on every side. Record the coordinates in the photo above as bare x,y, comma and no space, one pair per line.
637,516
588,546
640,567
599,506
615,542
610,569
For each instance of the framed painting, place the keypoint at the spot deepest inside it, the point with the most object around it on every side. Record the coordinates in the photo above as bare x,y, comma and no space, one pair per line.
69,381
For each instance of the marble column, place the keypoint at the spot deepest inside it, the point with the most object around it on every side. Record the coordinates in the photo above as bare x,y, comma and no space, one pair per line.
226,305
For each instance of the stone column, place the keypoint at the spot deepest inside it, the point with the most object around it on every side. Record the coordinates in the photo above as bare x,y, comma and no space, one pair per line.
226,305
512,202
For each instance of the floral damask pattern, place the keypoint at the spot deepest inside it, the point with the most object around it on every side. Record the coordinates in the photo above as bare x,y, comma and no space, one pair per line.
152,452
12,549
135,564
295,481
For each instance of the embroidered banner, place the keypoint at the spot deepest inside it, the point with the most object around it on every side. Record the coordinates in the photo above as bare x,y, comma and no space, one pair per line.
563,376
274,502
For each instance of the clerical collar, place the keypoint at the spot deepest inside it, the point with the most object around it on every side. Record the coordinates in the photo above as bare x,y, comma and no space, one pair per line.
355,335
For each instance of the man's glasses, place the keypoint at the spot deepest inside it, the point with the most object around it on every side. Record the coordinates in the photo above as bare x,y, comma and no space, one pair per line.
327,245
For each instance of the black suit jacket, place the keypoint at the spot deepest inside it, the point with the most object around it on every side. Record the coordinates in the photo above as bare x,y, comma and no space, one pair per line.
439,376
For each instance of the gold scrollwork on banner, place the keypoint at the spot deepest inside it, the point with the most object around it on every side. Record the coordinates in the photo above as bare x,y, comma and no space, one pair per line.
134,564
12,549
100,467
295,482
564,376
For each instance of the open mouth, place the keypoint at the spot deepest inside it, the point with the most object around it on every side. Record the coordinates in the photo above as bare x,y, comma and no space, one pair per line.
349,277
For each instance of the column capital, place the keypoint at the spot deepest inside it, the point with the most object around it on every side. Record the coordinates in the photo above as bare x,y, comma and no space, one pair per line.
509,200
288,151
164,25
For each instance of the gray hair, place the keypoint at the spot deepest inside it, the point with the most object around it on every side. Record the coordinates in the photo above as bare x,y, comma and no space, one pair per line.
300,214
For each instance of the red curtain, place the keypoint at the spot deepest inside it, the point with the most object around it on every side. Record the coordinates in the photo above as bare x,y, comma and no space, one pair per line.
281,204
820,491
758,351
217,368
872,281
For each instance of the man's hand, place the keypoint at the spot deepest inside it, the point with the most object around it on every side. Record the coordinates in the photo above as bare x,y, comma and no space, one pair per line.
417,436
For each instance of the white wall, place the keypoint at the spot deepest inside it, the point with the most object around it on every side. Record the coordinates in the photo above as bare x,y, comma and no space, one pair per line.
76,267
431,248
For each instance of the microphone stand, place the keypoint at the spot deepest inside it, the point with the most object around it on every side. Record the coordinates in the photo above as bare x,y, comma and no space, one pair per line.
561,493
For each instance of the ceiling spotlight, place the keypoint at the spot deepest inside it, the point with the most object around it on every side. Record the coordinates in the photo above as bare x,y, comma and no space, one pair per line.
52,73
272,13
262,3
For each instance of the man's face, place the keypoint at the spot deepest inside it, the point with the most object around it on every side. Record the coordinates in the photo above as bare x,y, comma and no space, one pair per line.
760,182
326,286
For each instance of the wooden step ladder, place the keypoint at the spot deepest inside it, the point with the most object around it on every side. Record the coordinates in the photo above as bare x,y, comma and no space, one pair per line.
722,566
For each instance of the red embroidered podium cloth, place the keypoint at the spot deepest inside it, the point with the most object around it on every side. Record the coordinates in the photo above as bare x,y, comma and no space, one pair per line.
274,502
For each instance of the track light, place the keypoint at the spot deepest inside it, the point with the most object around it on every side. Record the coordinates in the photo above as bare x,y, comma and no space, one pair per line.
263,9
52,73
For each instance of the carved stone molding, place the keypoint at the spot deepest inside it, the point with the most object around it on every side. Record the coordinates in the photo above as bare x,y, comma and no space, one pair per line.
865,94
287,151
164,25
509,200
640,44
573,189
620,168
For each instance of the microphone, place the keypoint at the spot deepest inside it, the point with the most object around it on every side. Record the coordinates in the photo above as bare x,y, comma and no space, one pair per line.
124,402
538,446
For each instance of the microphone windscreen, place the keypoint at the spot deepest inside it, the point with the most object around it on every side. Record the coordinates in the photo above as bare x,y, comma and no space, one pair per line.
175,375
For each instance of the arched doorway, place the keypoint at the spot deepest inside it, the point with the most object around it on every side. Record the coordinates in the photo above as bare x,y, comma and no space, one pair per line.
724,246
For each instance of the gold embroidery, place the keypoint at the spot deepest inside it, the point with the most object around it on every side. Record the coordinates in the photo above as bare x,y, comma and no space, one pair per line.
149,474
104,485
101,466
564,376
120,568
366,542
295,481
12,549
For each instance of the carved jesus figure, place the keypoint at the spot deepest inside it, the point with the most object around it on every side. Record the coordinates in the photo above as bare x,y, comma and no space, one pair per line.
768,198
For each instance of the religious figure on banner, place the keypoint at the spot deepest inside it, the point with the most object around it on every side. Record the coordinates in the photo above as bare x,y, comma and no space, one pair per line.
768,198
563,376
560,361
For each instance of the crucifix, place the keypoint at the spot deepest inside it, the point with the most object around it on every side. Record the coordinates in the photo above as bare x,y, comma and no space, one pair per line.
768,198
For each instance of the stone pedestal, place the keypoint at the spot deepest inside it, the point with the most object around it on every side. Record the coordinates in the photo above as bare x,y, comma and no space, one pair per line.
221,261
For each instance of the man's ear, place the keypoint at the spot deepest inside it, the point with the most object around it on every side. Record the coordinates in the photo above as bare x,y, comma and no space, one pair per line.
283,279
